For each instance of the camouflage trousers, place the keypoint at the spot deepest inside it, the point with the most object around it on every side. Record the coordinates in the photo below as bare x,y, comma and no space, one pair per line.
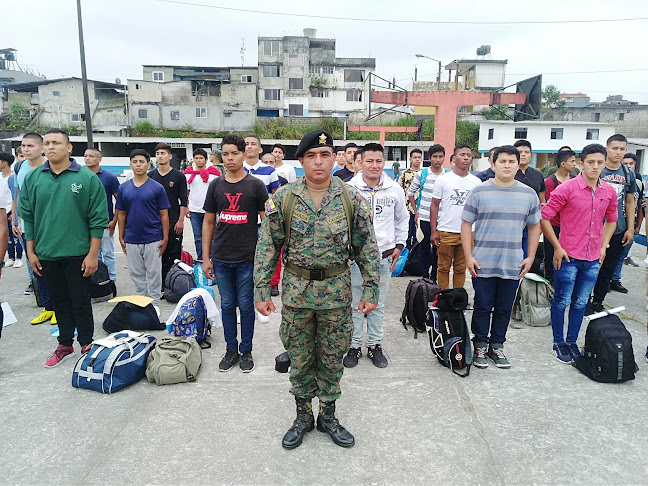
316,340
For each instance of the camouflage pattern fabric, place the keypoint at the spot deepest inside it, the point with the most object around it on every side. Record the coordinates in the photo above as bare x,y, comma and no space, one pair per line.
316,341
405,182
318,239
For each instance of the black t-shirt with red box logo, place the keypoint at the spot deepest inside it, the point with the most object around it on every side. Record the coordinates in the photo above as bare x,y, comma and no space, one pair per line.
237,206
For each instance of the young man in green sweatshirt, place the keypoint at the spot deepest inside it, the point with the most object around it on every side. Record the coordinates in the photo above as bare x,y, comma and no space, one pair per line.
64,209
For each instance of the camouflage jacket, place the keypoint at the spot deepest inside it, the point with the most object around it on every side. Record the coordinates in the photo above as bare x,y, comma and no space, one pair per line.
405,181
318,239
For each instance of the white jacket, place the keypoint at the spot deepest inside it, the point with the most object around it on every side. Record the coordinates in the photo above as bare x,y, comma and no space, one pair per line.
388,211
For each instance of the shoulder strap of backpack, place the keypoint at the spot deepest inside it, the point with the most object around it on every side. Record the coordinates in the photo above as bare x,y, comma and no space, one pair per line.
424,173
626,174
348,211
554,179
287,210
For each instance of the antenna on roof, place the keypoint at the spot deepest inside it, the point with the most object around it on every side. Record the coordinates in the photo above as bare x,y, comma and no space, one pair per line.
242,51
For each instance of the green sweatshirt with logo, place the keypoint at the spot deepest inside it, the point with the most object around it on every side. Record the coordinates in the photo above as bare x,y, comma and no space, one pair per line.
62,213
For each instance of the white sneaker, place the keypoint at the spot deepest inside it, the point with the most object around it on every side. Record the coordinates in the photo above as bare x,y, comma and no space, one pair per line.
18,263
157,310
261,318
9,263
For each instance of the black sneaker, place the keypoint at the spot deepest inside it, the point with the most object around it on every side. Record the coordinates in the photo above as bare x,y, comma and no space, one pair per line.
574,351
617,287
247,363
597,306
377,357
479,355
631,262
562,353
352,357
230,358
29,290
496,354
274,290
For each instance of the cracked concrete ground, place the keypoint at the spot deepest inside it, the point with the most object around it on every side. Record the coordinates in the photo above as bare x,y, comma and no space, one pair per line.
540,422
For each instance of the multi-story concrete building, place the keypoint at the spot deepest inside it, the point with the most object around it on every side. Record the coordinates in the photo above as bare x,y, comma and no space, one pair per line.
299,76
627,117
202,98
59,103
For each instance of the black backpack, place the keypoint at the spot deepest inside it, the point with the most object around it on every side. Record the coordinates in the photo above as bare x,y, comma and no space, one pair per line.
608,356
101,287
417,296
127,315
413,265
448,330
178,282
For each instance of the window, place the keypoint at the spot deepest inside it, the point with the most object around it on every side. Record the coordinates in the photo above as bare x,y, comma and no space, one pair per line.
272,94
313,69
471,73
592,134
327,69
520,133
353,76
319,93
56,93
142,113
77,117
158,76
491,133
175,115
138,86
620,116
596,117
295,83
201,112
296,110
354,95
326,114
271,71
271,48
227,114
246,78
556,134
295,60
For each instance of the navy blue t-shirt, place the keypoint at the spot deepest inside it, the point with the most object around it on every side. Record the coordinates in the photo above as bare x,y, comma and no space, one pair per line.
111,185
142,206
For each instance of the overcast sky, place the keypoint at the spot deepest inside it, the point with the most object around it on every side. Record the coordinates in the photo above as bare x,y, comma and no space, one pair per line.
121,35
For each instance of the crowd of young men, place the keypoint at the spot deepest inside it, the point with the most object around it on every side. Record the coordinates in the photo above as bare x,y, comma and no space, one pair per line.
338,237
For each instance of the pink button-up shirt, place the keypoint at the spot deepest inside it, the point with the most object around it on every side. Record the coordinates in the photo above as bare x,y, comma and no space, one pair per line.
582,212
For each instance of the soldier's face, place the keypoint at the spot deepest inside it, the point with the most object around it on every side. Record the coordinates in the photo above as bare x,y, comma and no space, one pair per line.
318,164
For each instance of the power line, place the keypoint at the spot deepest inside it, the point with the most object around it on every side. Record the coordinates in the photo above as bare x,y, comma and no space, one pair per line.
397,21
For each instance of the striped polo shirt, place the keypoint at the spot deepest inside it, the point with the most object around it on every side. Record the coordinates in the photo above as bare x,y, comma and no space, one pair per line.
500,214
264,172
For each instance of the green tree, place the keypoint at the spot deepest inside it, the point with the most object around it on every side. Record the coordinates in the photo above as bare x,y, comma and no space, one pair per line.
468,133
551,97
18,117
498,112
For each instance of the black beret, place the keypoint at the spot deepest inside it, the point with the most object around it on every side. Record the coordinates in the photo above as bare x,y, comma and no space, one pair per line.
314,139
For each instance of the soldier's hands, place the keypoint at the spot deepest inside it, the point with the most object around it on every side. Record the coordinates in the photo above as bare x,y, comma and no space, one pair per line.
265,308
365,307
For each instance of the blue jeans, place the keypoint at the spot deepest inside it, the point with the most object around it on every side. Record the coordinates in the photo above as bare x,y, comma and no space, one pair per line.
236,289
548,256
42,287
29,269
493,295
428,253
14,248
411,234
375,331
107,254
573,284
619,268
196,226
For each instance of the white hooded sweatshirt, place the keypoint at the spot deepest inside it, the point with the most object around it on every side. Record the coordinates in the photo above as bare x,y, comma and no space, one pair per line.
388,210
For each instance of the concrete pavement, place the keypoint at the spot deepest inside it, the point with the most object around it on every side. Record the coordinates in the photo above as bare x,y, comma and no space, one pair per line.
540,422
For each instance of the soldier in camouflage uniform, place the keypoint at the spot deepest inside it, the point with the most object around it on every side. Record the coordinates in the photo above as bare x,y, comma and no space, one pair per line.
316,321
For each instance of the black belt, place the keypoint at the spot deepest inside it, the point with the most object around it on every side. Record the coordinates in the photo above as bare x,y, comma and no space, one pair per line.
317,273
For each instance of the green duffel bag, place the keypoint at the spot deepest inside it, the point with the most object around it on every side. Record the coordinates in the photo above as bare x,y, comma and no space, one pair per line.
174,359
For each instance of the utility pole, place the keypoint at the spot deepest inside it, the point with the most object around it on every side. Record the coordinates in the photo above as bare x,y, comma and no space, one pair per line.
84,78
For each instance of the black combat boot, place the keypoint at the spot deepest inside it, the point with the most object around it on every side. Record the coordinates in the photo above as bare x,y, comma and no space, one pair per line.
326,422
302,424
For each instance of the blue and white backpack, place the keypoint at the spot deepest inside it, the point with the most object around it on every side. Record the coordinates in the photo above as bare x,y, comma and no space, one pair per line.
191,321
